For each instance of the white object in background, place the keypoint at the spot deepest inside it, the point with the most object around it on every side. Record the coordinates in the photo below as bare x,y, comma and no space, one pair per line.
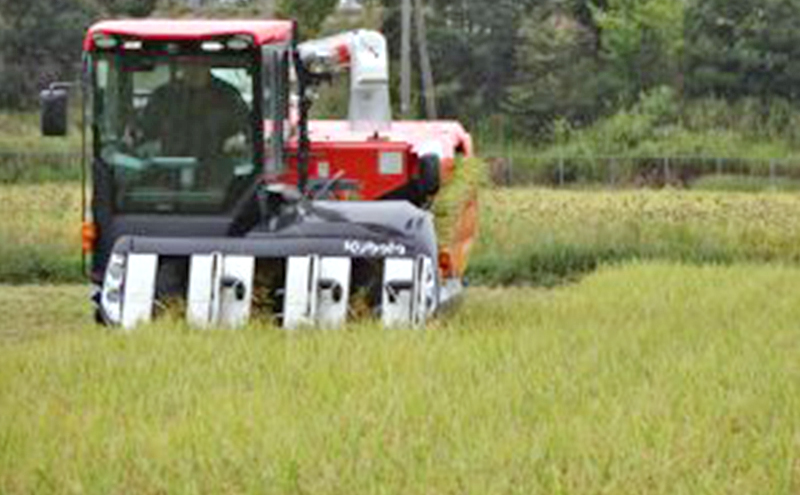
140,286
236,292
425,285
299,304
370,104
200,298
398,288
409,291
333,292
323,170
220,290
111,297
390,163
365,53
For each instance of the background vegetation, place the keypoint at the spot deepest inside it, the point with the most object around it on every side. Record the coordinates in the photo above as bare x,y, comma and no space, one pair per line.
673,77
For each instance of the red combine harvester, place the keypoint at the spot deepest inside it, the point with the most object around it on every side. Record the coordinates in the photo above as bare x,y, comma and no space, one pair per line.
212,191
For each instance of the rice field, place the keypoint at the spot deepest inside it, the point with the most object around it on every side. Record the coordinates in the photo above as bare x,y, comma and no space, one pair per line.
528,236
765,225
670,364
650,378
542,236
40,233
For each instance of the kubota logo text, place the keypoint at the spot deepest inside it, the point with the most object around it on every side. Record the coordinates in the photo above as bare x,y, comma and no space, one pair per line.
358,248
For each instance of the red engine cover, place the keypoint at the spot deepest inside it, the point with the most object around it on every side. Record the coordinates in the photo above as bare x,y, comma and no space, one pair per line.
383,163
376,168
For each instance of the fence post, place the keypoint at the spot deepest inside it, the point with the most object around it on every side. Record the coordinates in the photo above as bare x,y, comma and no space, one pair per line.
719,165
560,171
772,177
667,173
509,170
612,171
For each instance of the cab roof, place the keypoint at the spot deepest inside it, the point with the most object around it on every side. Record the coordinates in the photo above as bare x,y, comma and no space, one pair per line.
263,32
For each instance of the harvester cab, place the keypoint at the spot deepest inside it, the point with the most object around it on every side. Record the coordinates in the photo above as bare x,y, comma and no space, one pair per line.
213,195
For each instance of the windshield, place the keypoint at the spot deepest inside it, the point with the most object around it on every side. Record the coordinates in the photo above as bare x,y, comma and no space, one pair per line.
176,129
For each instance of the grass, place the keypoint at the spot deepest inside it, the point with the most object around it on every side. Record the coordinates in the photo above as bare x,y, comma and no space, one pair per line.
743,183
654,378
40,233
27,157
19,132
39,166
544,236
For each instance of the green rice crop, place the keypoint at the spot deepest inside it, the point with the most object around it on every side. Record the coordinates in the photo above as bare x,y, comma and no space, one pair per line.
543,236
27,157
19,132
648,379
744,183
469,178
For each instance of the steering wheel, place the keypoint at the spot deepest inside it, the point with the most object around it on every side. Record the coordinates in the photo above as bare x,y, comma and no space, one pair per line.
327,189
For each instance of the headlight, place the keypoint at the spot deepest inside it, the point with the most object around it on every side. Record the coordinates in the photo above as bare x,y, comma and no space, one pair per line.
113,288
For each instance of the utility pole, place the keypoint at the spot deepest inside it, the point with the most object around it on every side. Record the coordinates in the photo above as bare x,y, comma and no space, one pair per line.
425,62
405,61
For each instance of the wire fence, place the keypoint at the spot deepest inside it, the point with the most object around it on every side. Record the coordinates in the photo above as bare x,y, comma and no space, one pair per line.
617,171
596,171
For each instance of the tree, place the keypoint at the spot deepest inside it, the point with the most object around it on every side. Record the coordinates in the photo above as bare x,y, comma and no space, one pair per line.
641,44
473,45
311,14
218,9
428,89
557,74
127,8
743,48
41,43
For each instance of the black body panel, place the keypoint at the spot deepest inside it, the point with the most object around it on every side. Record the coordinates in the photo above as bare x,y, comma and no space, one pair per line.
369,229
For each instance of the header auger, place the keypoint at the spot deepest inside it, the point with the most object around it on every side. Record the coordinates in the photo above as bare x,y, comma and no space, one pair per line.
213,193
